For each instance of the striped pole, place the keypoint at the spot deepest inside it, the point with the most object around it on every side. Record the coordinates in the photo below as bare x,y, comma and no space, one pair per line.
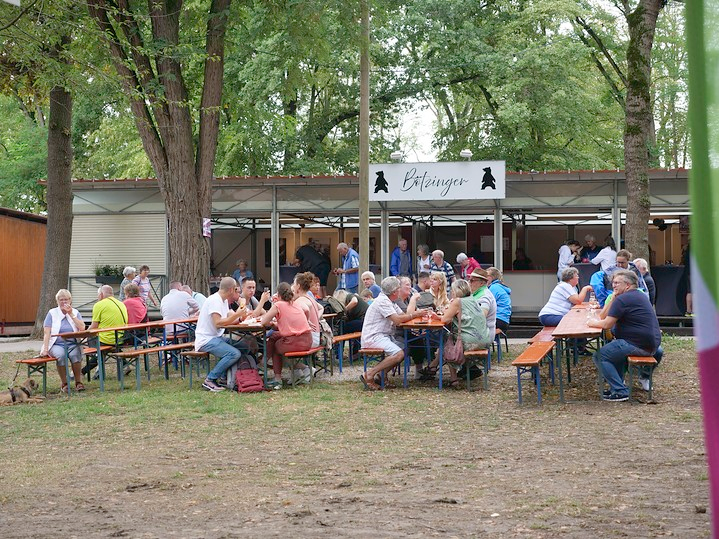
703,47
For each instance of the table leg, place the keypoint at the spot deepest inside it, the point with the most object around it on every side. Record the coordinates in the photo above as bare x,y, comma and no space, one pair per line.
405,382
559,357
441,356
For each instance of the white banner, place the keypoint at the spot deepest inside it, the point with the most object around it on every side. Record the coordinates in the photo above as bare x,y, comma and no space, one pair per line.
437,181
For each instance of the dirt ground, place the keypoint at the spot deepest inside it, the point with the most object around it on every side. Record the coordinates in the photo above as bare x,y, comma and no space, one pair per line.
335,461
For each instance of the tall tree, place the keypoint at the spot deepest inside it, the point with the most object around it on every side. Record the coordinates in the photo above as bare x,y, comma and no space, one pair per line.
151,58
639,130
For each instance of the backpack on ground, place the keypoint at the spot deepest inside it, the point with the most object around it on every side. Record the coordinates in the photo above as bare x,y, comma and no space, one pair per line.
249,381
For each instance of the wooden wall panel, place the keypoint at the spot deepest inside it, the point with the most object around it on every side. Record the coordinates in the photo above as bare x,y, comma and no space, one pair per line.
21,266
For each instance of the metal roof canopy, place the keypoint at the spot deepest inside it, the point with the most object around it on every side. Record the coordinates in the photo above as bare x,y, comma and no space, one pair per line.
260,202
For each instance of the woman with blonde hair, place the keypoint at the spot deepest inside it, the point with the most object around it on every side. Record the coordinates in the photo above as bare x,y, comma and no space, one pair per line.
64,319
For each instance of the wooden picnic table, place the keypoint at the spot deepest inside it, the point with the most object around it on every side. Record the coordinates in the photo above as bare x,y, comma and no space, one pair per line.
88,334
424,327
573,325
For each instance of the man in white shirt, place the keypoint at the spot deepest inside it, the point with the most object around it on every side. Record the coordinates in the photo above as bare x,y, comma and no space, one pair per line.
178,304
378,330
214,316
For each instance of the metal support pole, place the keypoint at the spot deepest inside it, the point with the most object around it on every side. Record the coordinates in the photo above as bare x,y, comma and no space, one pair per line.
384,260
616,216
498,251
275,241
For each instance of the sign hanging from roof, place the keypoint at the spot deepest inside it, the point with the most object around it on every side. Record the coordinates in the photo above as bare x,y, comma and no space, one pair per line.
437,181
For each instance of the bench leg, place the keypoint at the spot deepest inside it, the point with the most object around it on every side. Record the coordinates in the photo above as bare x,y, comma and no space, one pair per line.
538,382
519,385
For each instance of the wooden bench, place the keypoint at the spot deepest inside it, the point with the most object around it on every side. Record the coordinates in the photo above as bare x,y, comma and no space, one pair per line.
38,364
637,362
472,357
192,356
308,356
132,356
368,355
338,342
90,352
543,335
528,362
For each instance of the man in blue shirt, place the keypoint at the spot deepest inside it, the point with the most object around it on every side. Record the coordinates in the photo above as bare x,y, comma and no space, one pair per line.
401,260
636,330
348,274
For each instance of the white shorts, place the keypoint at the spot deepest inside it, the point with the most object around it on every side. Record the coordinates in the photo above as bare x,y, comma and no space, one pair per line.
386,343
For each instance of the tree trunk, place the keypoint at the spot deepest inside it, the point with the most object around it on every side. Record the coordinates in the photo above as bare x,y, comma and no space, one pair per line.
638,133
59,203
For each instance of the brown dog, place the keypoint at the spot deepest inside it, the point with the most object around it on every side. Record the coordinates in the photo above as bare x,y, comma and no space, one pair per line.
20,395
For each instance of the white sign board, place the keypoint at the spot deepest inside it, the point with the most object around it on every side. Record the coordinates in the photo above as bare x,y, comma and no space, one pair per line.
437,181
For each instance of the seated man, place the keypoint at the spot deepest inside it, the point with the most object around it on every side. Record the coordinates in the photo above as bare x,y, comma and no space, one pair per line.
178,304
636,330
440,264
199,298
368,279
214,316
109,312
379,329
422,282
601,281
253,307
478,283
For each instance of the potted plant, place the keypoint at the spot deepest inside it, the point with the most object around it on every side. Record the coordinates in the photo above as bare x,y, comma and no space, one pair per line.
108,274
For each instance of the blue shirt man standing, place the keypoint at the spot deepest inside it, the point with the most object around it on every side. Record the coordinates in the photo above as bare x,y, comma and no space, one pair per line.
348,274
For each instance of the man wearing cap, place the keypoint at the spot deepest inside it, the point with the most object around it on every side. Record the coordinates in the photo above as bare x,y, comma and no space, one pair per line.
478,280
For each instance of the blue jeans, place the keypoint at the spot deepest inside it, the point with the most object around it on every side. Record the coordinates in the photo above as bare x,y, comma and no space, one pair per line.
550,320
229,352
611,362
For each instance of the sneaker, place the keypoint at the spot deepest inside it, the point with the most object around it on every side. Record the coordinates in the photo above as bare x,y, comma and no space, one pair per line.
606,393
273,384
222,382
644,382
615,397
211,386
305,379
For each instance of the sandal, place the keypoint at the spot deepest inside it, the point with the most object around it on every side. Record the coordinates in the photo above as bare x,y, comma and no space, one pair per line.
63,389
427,374
369,385
79,386
454,384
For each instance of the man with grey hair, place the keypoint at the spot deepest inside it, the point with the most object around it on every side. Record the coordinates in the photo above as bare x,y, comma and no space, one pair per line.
636,330
370,284
643,268
128,274
109,312
590,250
440,264
348,274
378,330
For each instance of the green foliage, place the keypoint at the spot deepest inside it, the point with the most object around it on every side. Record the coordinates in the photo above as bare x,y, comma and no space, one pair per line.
23,160
108,270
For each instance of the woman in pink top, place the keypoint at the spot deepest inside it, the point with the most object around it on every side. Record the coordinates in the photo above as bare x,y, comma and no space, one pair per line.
293,332
136,308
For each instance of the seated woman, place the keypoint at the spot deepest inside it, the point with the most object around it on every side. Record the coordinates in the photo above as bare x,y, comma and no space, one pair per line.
136,308
438,289
64,319
474,331
301,288
293,333
355,309
563,298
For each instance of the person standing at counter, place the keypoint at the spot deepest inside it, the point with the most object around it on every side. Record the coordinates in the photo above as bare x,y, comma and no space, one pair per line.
567,256
590,250
607,257
521,261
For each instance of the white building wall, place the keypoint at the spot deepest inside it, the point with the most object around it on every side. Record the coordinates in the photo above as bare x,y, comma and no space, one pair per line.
116,239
